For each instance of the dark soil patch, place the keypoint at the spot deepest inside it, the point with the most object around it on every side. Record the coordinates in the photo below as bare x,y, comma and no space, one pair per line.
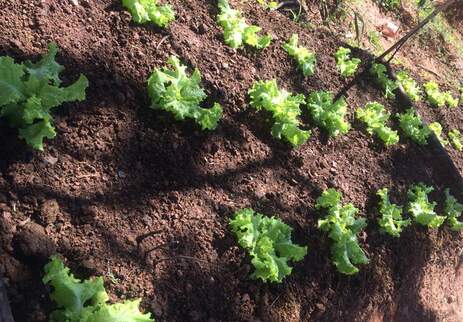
130,194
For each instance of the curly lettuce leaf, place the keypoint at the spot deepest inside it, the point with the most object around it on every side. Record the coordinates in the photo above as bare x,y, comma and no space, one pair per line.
455,139
453,210
409,86
437,98
86,301
346,66
236,31
127,311
379,71
11,81
285,110
174,91
391,221
413,127
29,91
421,209
327,114
436,128
144,11
70,294
268,241
305,59
375,117
343,228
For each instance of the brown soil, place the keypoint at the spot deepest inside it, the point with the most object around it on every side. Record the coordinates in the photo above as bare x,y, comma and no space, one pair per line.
130,194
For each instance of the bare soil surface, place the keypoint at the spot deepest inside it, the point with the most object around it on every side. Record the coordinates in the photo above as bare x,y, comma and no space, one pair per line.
130,194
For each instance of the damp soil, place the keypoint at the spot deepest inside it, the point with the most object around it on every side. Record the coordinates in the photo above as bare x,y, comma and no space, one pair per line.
130,194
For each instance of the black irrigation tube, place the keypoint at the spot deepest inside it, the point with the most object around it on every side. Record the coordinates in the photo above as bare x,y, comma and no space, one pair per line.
403,99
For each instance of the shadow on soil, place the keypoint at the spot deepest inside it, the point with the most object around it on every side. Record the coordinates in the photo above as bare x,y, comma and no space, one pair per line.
191,286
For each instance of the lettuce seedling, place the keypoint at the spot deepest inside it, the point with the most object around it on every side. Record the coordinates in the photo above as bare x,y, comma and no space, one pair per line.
413,127
177,93
268,4
268,241
236,31
453,210
375,116
419,207
455,139
86,301
305,59
379,71
144,11
285,110
437,98
391,221
409,86
327,114
343,229
346,66
437,129
28,93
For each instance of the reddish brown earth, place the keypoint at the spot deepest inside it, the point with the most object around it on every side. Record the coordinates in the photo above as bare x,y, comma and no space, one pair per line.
130,194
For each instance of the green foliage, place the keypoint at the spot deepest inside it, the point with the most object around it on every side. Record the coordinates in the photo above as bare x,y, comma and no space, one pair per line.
387,84
237,31
409,85
421,209
455,139
391,220
413,127
29,91
453,210
306,59
86,301
343,229
268,241
177,93
149,11
327,114
346,66
285,110
268,4
437,129
375,116
438,98
389,4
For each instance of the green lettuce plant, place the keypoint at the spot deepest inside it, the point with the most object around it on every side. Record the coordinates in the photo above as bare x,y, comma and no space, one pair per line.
86,301
268,241
421,209
391,220
346,66
437,98
29,92
413,127
284,107
174,91
236,31
379,71
436,127
305,59
455,139
453,210
342,227
327,114
375,116
409,85
144,11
